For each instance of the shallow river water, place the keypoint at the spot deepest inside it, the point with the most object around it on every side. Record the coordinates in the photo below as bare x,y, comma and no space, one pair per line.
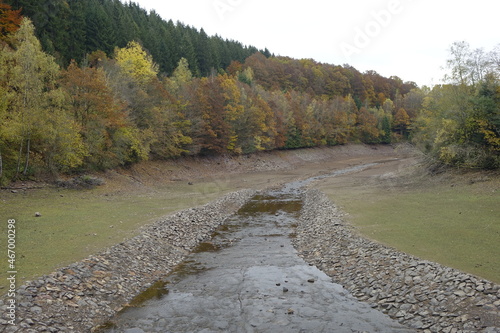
249,278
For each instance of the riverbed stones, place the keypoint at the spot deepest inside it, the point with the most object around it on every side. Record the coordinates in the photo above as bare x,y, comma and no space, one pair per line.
87,293
418,293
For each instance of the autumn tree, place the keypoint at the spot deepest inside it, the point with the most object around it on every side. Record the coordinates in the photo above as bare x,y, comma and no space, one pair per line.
367,126
107,134
6,151
155,113
37,108
401,121
136,63
10,20
215,132
458,122
255,127
180,77
36,131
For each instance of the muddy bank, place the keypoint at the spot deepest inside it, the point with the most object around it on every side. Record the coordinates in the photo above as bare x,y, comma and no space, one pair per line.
220,167
80,296
420,294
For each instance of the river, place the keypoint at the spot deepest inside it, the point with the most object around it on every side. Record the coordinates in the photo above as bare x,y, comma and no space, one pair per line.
249,278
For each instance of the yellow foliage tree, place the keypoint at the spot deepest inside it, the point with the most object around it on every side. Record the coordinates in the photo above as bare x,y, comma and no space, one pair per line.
401,121
136,63
38,122
233,109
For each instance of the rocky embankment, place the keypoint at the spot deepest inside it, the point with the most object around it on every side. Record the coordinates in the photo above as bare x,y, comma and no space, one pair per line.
420,294
80,296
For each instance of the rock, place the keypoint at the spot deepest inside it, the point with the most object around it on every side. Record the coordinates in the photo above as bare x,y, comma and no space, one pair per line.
133,330
36,309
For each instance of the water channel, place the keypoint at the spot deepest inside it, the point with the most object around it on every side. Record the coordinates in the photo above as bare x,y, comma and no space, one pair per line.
249,278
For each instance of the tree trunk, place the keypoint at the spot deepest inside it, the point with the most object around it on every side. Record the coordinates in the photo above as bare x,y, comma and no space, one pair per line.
19,159
1,166
27,157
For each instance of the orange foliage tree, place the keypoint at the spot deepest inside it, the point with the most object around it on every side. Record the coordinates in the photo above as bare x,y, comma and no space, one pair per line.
10,20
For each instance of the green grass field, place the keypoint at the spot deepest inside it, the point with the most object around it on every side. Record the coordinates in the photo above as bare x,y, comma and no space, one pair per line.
77,223
456,226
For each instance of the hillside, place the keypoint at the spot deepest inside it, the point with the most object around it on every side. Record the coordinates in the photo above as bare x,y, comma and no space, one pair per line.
72,29
121,105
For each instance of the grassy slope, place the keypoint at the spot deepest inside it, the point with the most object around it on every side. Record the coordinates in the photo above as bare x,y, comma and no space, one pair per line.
458,226
75,224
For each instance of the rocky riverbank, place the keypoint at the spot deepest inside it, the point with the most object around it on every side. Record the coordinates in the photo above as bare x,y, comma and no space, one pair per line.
85,294
420,294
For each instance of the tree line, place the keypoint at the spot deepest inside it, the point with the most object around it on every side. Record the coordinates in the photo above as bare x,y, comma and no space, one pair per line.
458,123
114,110
71,29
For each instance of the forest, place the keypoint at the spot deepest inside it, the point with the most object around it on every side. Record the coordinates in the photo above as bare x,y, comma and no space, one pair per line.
97,84
71,29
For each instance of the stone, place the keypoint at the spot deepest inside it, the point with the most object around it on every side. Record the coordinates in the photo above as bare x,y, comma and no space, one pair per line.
36,309
427,301
133,330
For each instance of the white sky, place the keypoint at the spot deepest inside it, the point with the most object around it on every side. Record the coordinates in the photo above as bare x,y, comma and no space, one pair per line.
406,38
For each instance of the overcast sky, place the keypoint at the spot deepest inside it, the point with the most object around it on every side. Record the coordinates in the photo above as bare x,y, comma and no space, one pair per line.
406,38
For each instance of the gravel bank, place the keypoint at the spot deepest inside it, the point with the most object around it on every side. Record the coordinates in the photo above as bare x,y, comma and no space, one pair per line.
82,295
418,293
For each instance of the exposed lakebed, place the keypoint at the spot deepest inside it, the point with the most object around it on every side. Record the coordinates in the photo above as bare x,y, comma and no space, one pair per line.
249,278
